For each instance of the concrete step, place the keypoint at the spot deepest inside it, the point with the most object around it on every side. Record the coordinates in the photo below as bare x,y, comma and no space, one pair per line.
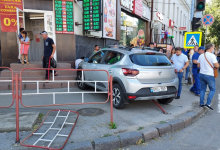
33,86
19,67
28,73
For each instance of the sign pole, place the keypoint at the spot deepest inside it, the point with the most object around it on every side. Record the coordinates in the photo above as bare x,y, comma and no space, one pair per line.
205,35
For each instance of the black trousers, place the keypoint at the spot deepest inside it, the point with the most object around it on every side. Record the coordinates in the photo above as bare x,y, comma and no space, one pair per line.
46,64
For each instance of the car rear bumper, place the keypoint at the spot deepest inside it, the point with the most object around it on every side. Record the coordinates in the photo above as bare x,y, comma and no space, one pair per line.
155,97
134,86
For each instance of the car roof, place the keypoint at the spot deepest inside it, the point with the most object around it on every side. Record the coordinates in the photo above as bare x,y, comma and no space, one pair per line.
129,51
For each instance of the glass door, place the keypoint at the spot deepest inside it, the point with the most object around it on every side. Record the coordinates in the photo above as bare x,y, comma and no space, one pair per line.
49,25
20,24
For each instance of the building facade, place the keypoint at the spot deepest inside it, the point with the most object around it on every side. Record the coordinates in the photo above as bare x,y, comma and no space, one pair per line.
173,17
75,26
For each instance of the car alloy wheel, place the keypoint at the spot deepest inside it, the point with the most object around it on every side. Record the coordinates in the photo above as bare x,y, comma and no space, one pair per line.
116,96
81,85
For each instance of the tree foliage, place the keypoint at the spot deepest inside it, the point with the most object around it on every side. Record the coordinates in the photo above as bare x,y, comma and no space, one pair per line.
213,34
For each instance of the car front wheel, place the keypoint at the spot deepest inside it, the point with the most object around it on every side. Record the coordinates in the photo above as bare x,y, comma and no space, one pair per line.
165,101
81,85
118,97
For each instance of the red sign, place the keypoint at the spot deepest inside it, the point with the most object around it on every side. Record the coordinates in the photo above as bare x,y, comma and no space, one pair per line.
208,20
171,23
9,23
138,7
8,14
182,28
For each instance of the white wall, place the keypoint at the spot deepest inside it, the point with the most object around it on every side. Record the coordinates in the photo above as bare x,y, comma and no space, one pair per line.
177,10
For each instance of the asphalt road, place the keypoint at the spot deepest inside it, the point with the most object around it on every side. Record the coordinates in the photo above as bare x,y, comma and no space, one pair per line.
202,135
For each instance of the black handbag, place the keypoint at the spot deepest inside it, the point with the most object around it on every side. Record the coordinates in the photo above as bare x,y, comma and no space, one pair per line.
53,63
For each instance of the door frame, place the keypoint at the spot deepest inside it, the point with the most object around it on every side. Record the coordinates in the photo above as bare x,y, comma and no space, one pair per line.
42,12
18,28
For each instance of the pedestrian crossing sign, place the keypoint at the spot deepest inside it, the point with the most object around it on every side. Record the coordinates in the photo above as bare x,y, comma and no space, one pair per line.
192,39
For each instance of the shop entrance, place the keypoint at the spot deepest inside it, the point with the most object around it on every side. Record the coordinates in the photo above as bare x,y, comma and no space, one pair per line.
34,22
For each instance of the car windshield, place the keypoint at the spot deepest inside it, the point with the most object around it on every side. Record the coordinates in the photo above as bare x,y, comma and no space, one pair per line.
150,60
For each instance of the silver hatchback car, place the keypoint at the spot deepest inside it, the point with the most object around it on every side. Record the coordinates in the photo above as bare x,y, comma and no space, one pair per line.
137,75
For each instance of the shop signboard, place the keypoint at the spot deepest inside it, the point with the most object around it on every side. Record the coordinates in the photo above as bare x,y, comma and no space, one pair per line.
8,14
109,19
182,28
138,7
127,4
127,23
146,12
64,16
171,23
162,45
92,15
160,17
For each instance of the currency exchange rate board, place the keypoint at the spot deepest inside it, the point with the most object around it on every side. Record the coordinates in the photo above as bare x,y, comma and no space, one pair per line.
92,15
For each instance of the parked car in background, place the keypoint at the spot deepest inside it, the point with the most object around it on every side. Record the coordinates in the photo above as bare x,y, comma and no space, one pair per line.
137,75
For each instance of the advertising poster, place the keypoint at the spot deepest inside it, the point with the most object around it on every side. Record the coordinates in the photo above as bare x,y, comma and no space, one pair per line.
109,19
8,14
139,40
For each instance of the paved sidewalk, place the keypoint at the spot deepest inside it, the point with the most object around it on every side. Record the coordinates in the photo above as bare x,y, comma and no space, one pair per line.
137,117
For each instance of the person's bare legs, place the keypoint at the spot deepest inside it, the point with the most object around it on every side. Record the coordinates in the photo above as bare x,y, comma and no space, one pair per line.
22,59
26,57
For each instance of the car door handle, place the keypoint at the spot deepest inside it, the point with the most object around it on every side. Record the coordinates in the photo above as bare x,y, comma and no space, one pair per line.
110,71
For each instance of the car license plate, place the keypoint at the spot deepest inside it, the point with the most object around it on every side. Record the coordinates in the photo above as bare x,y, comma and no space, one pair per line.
158,89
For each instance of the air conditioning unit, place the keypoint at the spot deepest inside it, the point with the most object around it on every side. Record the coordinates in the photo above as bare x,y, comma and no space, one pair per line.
87,33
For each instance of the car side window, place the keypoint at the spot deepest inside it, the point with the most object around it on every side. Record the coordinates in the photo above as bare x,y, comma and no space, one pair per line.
111,57
96,59
119,57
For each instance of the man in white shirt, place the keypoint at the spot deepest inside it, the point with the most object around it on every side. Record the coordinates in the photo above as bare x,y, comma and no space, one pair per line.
78,61
207,75
180,62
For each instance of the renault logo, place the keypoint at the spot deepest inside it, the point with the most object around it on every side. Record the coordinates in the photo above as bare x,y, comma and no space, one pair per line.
160,73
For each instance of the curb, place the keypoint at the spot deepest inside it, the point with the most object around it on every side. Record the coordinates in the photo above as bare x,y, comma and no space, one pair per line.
139,137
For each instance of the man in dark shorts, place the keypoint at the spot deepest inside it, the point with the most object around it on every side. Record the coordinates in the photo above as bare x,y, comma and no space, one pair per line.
49,50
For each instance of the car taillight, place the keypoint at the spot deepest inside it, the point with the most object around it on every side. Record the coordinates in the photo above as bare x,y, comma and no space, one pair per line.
150,53
130,72
132,97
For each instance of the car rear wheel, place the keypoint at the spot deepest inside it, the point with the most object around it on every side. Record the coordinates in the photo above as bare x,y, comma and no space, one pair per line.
81,85
165,101
118,97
